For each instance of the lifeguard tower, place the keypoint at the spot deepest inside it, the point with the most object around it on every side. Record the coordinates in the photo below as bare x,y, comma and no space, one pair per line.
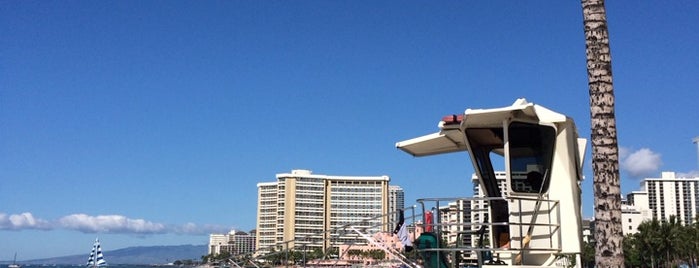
534,219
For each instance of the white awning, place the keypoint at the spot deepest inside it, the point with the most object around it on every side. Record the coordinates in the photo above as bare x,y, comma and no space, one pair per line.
436,143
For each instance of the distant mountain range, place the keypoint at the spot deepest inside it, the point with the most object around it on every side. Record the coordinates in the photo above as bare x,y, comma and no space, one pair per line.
134,255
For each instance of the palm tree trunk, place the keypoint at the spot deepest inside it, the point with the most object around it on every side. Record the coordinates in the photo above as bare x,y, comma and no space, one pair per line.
605,151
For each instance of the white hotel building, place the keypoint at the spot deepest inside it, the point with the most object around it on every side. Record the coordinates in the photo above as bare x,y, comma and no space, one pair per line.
669,195
297,209
234,242
661,198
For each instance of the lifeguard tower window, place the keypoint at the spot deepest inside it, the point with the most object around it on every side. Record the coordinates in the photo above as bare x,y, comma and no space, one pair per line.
530,149
531,153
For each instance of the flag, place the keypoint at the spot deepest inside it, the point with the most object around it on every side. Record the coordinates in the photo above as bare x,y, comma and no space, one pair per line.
401,220
402,231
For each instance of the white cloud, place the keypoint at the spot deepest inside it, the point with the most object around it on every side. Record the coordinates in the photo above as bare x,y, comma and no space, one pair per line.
640,163
115,224
22,221
110,224
623,152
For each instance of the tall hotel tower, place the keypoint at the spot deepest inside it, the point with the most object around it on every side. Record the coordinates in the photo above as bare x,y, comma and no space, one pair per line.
669,195
297,209
396,202
661,198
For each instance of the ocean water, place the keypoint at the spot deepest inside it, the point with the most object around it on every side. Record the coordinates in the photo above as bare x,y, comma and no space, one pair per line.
83,266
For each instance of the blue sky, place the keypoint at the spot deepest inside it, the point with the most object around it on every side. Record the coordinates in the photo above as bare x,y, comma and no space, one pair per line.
151,122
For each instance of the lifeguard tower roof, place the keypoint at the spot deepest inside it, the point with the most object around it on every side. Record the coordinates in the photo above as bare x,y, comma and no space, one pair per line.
450,138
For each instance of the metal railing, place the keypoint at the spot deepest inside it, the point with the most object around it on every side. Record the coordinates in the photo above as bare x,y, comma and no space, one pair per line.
461,240
469,241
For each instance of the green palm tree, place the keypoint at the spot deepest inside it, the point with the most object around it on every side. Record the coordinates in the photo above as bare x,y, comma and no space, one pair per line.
673,240
694,244
666,240
650,240
632,250
685,238
605,151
